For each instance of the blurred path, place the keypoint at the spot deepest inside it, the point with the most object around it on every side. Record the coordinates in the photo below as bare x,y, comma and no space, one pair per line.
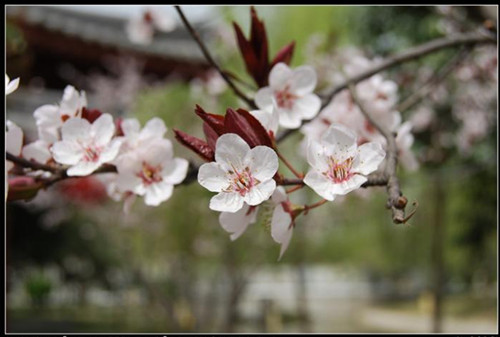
395,321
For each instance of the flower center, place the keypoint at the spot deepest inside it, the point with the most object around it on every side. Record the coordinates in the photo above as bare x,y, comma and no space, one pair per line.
92,154
339,172
284,98
150,174
241,182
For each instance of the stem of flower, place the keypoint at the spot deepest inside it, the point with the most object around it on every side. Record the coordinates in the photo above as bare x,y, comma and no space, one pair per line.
210,59
290,167
317,204
293,189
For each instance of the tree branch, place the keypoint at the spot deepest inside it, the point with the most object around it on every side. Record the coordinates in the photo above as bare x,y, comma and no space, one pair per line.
210,59
434,80
58,172
396,202
409,55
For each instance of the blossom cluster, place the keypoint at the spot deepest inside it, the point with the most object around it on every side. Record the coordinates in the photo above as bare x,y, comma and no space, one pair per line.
83,141
378,96
239,148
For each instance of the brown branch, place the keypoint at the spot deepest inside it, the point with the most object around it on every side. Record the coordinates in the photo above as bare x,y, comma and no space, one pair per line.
434,80
396,202
58,172
210,59
412,54
32,164
409,55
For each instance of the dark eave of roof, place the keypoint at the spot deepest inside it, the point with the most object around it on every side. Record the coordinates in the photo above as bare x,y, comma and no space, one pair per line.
106,31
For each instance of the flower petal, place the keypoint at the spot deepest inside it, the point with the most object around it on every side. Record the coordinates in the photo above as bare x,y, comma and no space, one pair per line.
230,150
279,195
13,139
130,126
289,119
175,171
303,80
320,184
262,162
264,98
237,223
157,193
83,168
370,157
76,129
48,121
103,129
281,231
260,193
155,127
349,185
308,106
226,202
339,141
66,152
128,181
316,156
213,177
111,151
11,86
37,151
280,76
268,119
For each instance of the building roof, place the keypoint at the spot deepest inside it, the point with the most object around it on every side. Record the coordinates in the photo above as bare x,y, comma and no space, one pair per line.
108,31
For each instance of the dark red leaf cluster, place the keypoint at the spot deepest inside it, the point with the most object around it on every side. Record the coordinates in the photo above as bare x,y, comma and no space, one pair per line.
239,121
255,50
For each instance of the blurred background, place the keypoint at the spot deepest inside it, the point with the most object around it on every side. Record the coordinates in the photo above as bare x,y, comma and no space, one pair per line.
77,263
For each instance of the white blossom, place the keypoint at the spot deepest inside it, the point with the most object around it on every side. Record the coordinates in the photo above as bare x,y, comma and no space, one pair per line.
339,166
136,138
86,146
13,145
404,141
151,172
11,86
38,151
141,29
268,118
50,117
292,91
239,174
281,221
236,223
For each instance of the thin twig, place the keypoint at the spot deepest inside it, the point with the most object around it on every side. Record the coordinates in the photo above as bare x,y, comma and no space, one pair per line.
396,202
434,80
289,165
210,59
32,164
409,55
58,172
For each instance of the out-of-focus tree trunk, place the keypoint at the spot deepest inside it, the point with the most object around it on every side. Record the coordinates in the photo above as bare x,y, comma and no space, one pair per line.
301,289
437,261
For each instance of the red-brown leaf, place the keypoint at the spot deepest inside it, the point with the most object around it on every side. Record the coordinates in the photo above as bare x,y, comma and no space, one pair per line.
197,145
210,135
216,122
284,55
247,127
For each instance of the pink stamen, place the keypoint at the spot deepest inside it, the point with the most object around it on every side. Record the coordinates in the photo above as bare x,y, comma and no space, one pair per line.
150,174
284,98
92,154
339,172
242,182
